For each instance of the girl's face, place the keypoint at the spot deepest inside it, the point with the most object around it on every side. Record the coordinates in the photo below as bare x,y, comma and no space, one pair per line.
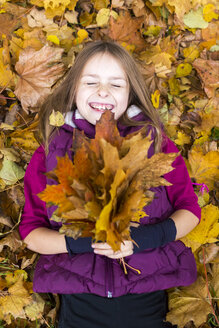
103,86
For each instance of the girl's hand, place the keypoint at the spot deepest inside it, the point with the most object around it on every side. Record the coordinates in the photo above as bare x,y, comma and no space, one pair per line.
105,249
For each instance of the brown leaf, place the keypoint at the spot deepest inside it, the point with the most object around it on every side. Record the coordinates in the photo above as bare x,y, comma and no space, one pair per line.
8,24
189,303
107,185
126,29
208,71
13,241
37,71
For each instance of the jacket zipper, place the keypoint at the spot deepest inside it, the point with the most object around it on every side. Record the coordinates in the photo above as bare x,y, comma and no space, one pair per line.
109,278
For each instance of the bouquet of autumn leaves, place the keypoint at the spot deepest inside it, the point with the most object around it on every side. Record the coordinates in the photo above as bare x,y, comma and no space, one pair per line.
107,185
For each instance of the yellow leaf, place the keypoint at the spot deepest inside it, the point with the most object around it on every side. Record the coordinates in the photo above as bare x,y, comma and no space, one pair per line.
209,12
183,69
16,46
15,299
103,221
103,16
174,86
204,168
182,139
189,303
56,118
82,35
11,172
99,4
191,53
194,19
57,7
53,38
206,231
152,30
155,97
7,77
35,309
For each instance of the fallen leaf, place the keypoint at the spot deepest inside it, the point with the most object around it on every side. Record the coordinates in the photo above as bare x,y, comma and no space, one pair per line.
203,167
103,16
11,172
12,240
37,18
56,118
35,309
195,19
183,69
14,300
38,71
189,303
182,139
7,77
126,29
206,231
208,71
209,12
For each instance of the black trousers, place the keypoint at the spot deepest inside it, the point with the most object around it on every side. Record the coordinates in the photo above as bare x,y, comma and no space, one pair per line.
146,310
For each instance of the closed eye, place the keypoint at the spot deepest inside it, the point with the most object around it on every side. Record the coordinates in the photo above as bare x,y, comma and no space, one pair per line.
116,86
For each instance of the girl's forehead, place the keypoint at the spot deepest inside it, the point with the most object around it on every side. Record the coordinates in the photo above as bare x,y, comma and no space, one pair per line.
104,63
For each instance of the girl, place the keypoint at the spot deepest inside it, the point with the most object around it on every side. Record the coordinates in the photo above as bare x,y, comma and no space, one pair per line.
95,292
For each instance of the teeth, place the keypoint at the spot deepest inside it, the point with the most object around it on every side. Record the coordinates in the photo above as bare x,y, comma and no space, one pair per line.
102,106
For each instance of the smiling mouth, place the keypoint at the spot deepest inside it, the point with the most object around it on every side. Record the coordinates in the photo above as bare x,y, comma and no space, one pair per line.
100,107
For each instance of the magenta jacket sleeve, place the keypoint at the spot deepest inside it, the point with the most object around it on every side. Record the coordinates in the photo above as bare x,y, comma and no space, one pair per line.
181,193
34,212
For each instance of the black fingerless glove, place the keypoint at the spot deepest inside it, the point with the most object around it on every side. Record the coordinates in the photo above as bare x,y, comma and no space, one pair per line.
78,246
154,235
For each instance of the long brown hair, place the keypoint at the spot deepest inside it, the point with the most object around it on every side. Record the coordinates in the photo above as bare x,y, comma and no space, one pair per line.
63,98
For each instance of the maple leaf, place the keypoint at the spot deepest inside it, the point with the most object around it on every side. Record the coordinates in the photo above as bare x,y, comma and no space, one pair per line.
126,29
14,300
189,303
206,231
107,185
208,71
37,71
203,167
8,24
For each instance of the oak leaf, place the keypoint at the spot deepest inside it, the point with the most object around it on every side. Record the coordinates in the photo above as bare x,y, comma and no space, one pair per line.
37,71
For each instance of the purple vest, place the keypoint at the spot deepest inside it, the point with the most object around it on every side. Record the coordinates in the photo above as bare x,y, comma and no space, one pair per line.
161,268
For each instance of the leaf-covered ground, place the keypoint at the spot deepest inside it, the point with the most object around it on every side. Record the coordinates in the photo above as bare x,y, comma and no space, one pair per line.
175,43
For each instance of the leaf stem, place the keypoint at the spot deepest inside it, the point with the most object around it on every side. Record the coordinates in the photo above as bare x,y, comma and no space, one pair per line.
209,295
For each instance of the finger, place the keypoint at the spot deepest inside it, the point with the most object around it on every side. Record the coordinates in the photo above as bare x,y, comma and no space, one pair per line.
101,246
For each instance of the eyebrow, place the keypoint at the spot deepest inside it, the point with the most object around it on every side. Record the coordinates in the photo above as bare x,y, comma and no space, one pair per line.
111,77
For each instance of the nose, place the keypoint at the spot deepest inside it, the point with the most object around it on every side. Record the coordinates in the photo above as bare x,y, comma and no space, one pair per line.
103,90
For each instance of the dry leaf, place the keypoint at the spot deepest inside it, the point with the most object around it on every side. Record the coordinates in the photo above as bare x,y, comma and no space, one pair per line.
126,29
37,71
207,231
14,299
203,167
208,71
104,189
189,303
